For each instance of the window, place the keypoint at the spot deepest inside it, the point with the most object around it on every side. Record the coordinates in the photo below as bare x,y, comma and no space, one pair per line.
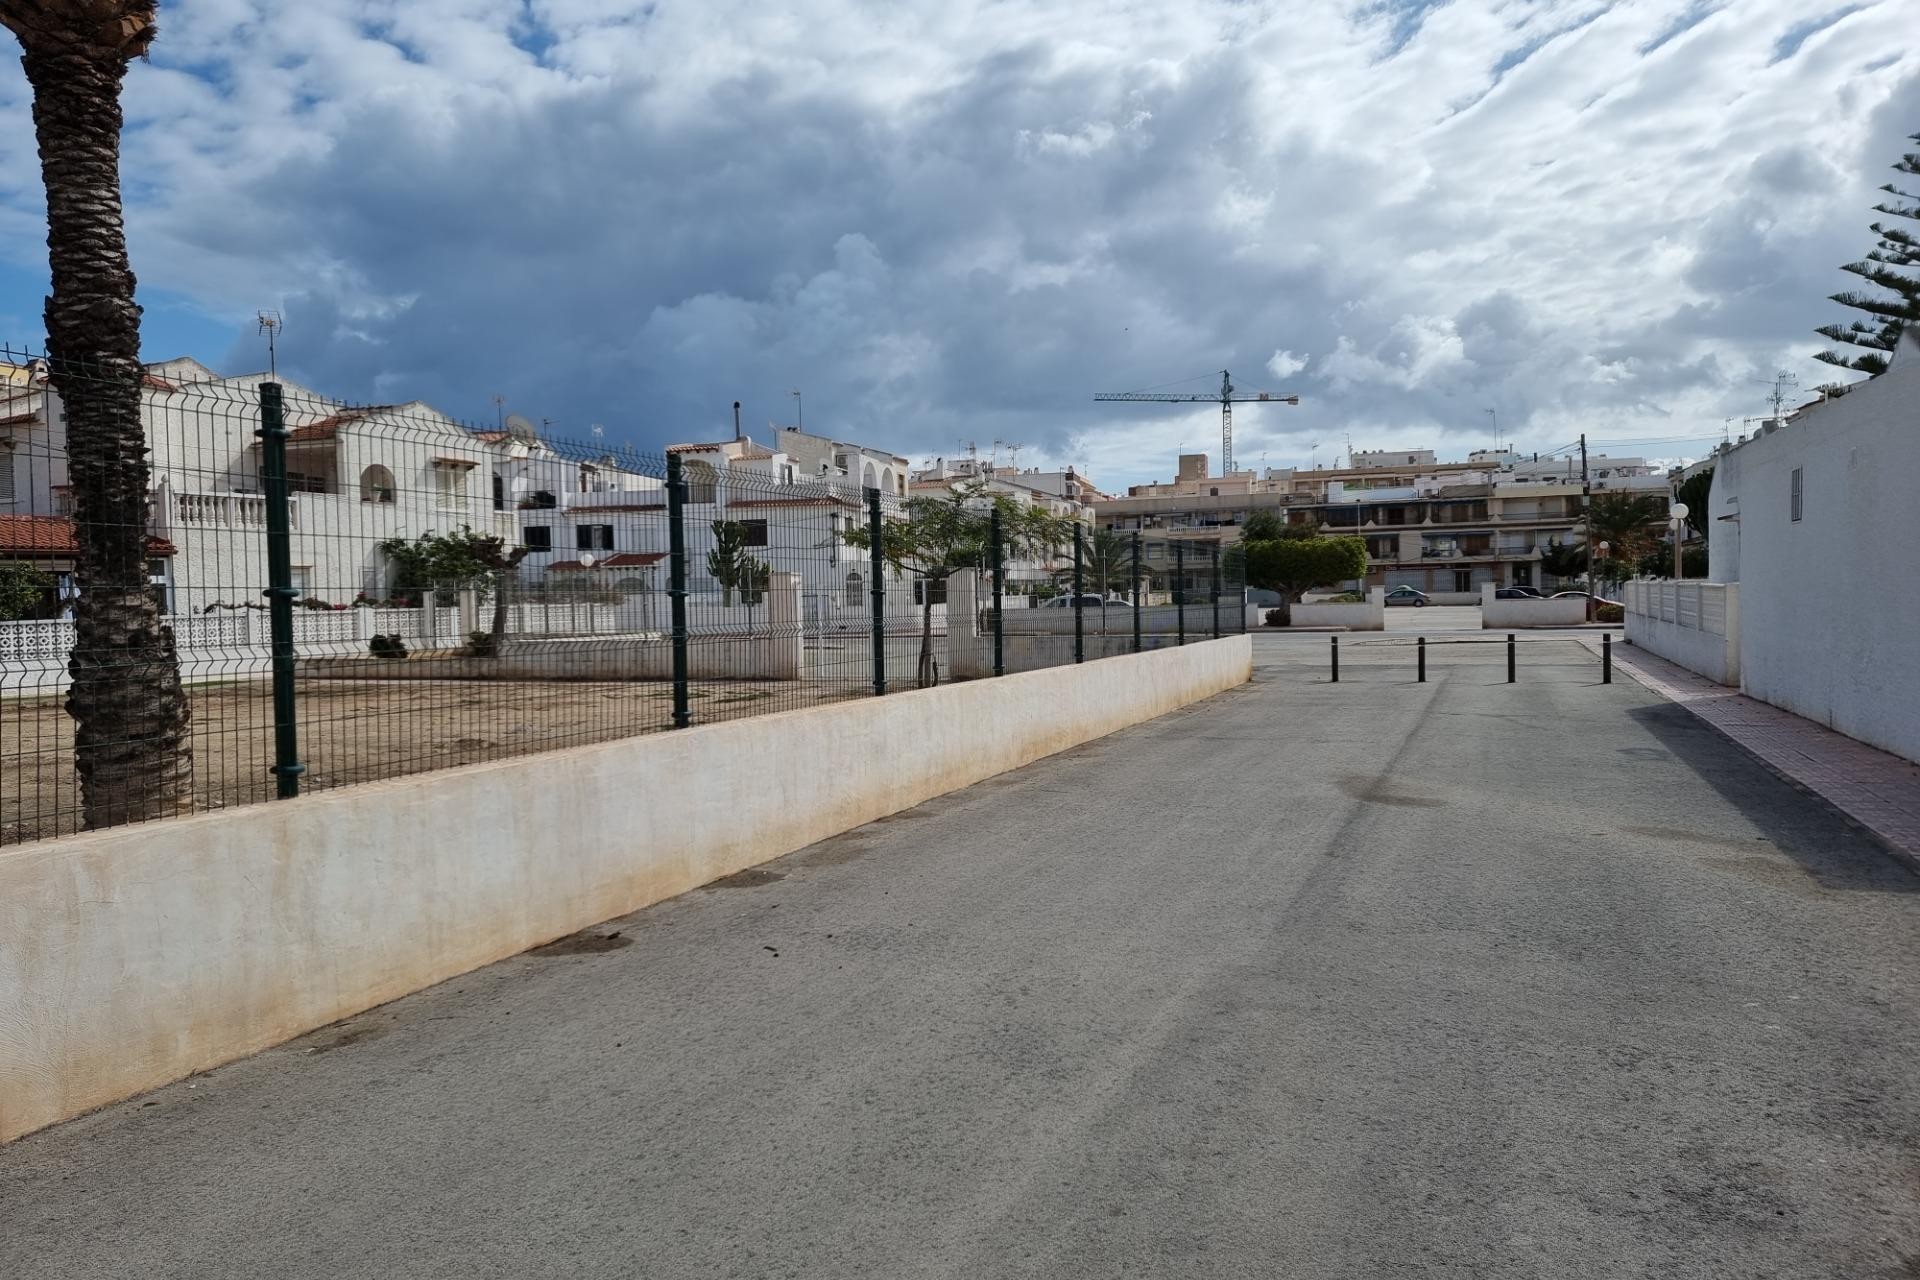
376,484
6,474
593,537
929,591
301,579
756,532
1463,579
1796,496
1523,575
450,487
1214,491
702,484
868,476
306,482
499,492
541,500
537,537
856,587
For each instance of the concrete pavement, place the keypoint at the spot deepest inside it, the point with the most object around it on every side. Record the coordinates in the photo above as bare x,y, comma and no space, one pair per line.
1378,980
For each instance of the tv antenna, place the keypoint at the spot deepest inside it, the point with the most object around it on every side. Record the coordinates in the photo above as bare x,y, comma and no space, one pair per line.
499,410
1780,382
270,325
599,430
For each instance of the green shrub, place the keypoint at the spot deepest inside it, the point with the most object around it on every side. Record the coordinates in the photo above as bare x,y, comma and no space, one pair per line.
1609,613
388,647
482,644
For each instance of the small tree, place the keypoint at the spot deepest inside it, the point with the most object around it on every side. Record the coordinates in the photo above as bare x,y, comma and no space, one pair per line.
1694,491
22,589
1298,559
730,563
1563,560
457,561
1890,266
944,534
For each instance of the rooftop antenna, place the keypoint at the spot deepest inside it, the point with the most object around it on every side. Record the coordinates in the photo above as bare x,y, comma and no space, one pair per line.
1495,417
799,412
270,324
1313,455
1780,382
499,410
1726,429
736,419
598,429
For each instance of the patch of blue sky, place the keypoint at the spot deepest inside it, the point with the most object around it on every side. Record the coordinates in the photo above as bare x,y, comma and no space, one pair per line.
1801,32
1696,13
1404,20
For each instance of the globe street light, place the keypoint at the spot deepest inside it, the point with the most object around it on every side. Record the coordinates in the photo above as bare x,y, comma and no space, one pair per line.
1677,513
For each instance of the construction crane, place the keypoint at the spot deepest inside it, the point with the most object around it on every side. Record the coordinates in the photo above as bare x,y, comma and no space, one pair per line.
1226,397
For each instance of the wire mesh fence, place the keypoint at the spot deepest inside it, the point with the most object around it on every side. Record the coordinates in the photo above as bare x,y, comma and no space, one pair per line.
295,594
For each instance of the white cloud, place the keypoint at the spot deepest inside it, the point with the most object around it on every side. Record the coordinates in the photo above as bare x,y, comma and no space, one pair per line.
1284,364
959,220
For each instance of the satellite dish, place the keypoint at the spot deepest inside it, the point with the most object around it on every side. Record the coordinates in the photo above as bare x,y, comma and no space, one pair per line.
518,428
586,560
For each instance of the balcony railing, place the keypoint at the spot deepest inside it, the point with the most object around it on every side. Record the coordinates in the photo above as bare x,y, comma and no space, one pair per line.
228,510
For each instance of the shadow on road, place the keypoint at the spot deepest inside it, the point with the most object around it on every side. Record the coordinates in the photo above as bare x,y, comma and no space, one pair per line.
1834,852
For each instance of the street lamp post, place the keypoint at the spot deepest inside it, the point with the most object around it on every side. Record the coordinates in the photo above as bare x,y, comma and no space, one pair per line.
1678,513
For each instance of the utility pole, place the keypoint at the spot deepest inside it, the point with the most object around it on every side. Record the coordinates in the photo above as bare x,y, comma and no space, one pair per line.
1586,509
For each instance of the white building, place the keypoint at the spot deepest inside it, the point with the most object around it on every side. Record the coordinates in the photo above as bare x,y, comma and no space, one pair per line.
358,476
1808,527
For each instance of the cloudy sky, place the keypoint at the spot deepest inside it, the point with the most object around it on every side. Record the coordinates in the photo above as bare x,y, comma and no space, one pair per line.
956,220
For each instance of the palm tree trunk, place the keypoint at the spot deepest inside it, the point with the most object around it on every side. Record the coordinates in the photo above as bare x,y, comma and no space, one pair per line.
131,746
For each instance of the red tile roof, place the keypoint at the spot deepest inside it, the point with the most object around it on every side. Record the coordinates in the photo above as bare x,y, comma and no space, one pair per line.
326,428
755,451
611,507
157,384
54,535
625,560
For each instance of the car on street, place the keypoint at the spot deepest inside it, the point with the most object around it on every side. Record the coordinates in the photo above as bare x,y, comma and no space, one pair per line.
1517,593
1582,595
1088,600
1408,595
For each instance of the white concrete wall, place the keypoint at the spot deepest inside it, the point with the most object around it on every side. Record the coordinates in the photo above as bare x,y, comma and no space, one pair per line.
1496,614
1696,624
1829,622
132,957
1368,615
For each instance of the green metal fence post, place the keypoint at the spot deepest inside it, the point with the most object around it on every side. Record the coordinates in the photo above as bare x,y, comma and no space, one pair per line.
677,585
1136,593
877,566
999,586
1214,551
1180,588
1079,585
280,591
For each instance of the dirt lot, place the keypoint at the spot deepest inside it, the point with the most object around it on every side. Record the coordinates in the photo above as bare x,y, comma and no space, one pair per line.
360,731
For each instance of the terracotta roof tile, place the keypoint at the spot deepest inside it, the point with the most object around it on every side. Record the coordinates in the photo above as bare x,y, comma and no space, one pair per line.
55,535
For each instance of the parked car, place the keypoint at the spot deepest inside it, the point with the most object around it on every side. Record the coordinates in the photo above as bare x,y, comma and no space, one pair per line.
1581,595
1088,600
1408,595
1517,593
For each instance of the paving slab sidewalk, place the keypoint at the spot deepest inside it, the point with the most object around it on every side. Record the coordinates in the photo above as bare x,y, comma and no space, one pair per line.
1875,788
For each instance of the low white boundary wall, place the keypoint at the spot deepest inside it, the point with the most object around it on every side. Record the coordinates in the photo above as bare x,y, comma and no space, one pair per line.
1368,615
1497,614
132,957
1695,624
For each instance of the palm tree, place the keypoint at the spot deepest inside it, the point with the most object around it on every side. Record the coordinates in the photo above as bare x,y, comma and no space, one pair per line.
130,740
1625,521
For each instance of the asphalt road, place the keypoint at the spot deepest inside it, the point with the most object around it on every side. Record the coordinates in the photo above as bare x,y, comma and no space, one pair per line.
1379,980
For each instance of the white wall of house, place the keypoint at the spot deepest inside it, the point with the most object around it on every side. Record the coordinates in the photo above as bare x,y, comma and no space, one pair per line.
1829,623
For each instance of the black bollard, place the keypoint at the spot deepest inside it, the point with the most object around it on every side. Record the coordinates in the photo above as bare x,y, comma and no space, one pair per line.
1510,656
1420,647
1606,657
1336,658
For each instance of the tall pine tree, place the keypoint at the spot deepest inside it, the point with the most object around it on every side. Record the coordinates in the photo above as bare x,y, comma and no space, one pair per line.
1893,265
